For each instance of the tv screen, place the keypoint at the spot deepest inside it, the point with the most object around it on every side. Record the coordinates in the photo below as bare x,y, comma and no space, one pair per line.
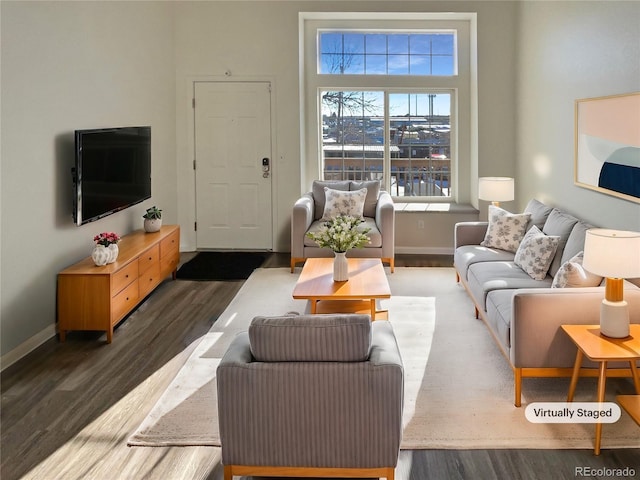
112,171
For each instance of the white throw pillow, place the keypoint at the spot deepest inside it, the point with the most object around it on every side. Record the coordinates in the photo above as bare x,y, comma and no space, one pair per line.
573,275
536,252
505,230
338,202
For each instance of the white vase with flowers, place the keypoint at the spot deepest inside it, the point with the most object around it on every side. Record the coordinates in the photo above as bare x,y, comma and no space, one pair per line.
341,234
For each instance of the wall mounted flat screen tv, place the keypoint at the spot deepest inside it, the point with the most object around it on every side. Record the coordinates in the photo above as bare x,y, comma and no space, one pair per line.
112,171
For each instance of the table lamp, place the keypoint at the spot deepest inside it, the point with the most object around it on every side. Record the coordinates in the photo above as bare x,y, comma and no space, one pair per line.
496,189
615,255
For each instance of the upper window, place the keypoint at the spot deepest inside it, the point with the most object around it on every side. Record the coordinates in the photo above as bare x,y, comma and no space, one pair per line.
382,53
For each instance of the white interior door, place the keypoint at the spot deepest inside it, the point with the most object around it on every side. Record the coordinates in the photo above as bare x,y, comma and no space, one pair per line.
233,186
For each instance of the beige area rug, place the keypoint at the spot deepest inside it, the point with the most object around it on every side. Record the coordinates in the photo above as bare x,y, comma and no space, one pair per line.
458,386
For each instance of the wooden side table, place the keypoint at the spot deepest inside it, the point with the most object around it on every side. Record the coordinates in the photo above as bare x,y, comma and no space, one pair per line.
602,349
631,403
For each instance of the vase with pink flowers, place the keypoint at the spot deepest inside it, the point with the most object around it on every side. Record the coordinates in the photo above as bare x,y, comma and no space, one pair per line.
106,248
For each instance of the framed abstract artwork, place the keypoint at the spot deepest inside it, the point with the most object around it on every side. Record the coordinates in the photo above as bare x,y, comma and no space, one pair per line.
607,145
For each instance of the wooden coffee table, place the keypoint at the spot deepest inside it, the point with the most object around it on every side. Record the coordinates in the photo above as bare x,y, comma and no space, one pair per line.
367,283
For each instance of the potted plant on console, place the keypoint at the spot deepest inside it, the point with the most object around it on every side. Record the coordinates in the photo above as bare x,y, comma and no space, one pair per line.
152,219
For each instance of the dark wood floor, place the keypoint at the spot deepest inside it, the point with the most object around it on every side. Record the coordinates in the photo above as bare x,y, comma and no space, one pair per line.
68,408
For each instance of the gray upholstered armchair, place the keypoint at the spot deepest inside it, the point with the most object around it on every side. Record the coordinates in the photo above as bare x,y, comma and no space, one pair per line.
311,395
379,216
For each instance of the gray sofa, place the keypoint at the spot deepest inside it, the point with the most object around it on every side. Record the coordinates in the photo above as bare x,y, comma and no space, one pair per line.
311,395
379,216
523,314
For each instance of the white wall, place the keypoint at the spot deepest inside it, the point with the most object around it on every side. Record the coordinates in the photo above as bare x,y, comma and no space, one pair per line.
568,51
66,66
252,41
260,40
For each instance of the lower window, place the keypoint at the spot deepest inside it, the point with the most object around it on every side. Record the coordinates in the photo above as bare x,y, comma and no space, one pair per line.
401,139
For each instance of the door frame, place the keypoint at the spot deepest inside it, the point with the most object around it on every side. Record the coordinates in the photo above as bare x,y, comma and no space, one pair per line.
187,194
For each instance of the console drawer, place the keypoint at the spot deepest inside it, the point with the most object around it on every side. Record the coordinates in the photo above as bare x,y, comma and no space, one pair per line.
169,263
124,277
148,259
170,244
124,302
149,280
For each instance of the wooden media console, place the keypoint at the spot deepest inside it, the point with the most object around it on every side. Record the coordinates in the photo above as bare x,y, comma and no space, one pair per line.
97,298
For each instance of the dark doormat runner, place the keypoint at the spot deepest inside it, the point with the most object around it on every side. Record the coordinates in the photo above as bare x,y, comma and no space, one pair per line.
221,265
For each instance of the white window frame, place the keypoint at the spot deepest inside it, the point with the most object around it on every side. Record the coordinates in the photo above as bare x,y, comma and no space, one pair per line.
463,88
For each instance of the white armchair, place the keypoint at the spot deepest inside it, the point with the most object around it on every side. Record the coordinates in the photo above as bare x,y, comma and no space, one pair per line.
379,216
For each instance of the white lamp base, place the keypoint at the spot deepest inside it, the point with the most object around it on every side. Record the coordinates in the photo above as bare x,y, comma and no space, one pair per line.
614,319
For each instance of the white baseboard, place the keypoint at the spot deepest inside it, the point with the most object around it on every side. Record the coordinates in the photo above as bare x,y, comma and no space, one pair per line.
425,250
26,347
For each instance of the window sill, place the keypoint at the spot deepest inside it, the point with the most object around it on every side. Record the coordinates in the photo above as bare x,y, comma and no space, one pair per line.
431,207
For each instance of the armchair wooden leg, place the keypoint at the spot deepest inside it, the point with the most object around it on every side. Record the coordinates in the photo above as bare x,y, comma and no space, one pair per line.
391,262
294,261
228,475
517,384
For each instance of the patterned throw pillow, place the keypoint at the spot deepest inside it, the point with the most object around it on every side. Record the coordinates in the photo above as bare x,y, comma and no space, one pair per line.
536,252
338,202
572,275
505,229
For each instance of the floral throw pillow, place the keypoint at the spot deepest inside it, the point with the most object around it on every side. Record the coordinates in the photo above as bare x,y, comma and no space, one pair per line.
505,230
338,202
573,275
535,253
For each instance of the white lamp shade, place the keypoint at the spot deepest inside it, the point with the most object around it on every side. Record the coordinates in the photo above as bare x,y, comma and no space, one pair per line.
612,253
496,189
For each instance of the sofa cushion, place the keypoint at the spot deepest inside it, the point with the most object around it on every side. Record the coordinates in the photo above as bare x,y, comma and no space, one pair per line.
539,213
375,237
575,242
311,338
373,191
484,277
469,254
338,203
536,252
559,224
573,275
505,230
317,192
499,307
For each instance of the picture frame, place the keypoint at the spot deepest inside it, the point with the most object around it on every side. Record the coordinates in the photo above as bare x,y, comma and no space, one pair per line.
607,145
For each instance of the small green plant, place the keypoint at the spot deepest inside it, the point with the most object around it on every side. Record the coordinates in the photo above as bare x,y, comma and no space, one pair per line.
153,213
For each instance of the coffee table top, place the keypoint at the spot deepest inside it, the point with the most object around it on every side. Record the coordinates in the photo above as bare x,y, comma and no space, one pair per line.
599,347
367,280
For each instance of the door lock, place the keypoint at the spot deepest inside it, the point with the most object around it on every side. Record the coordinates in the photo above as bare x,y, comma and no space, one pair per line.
265,167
